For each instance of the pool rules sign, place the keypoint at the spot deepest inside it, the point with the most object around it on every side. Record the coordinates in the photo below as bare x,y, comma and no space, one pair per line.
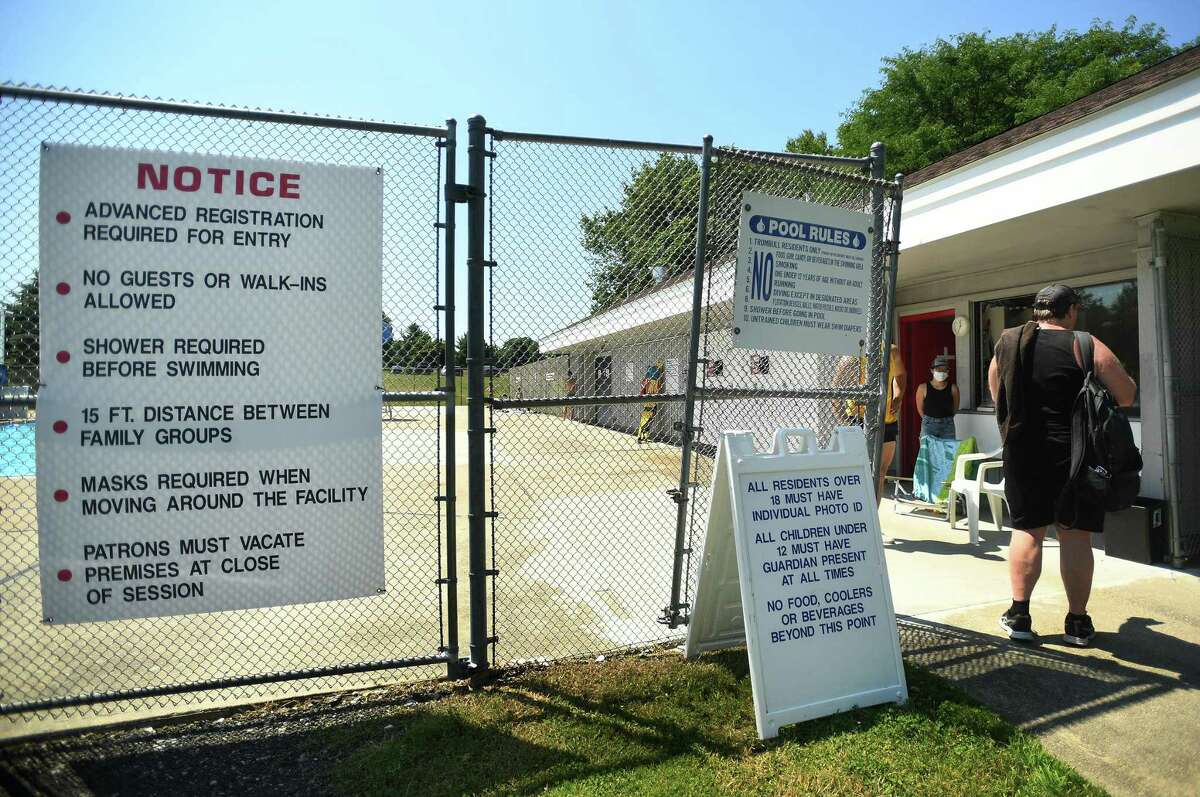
793,566
803,279
208,425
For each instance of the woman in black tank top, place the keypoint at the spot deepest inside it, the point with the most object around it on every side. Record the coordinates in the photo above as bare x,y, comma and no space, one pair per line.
937,401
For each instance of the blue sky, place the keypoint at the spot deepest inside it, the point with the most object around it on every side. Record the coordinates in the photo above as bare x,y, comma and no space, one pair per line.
750,73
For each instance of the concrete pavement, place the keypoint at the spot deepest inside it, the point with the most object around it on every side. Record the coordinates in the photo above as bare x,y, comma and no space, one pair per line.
1125,712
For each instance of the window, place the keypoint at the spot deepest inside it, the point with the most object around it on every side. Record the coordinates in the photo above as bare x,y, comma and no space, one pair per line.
1108,311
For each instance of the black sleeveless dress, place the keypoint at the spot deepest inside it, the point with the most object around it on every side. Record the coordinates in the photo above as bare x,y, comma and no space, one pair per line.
1037,465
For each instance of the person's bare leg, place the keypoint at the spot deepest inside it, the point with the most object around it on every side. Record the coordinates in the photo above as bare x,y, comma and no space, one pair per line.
1025,561
885,460
1076,564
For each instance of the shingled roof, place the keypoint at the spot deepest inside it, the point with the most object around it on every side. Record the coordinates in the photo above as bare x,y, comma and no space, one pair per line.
1163,72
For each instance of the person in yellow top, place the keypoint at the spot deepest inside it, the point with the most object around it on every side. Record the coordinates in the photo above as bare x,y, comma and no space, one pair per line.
852,412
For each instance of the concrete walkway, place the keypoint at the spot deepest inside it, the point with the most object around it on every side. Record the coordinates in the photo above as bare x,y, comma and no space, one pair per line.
1125,712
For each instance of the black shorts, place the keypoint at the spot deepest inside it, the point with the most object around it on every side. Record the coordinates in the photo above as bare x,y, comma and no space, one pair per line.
1035,485
891,431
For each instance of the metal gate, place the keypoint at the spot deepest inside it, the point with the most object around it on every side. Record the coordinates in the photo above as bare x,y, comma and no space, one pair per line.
617,257
241,655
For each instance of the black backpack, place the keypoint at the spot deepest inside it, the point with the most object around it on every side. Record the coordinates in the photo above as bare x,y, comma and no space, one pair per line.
1106,465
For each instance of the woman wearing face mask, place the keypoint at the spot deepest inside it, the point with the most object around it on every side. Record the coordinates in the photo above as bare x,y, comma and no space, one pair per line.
937,401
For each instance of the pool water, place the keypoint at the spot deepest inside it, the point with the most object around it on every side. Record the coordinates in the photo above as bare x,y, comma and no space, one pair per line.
17,449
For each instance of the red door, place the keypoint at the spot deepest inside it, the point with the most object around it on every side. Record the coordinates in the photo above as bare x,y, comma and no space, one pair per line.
922,337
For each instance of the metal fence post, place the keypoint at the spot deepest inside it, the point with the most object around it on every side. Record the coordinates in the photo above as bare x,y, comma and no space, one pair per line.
454,668
687,433
878,157
476,476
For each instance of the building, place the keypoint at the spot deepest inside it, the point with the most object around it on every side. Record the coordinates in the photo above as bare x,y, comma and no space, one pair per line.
1095,194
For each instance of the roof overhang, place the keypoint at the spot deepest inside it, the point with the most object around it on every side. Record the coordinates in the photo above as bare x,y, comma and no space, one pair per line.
1075,188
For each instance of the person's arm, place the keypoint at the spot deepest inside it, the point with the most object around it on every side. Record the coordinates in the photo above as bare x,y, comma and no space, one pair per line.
901,375
1113,375
954,395
921,399
994,379
845,375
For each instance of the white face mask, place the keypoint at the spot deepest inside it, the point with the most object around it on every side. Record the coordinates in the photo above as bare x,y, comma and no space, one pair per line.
941,376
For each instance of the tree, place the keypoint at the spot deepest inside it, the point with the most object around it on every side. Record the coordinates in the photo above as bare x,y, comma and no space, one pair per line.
460,350
954,93
21,333
810,143
654,226
517,351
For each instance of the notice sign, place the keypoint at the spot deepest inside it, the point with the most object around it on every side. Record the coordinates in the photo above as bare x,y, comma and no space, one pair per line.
803,278
793,566
208,426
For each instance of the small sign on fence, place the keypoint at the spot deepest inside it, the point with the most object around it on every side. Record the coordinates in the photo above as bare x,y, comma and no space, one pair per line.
208,429
803,280
793,566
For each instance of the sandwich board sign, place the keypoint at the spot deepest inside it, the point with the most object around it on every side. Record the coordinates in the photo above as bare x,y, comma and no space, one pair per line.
803,279
793,566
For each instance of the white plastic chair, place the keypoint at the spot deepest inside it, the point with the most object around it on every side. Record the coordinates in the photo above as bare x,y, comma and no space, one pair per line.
972,489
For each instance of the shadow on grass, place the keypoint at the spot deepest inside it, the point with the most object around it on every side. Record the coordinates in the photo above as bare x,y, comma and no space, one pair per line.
657,725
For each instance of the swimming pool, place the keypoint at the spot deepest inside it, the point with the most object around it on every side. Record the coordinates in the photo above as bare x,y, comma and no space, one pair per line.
17,449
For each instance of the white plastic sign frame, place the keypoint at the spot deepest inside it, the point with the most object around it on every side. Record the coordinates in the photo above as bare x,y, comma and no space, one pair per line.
828,642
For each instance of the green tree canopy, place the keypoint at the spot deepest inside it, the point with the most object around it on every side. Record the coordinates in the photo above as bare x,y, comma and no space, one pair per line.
959,91
654,226
21,333
517,351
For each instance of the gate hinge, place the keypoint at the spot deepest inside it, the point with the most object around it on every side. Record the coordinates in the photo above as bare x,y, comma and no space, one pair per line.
677,495
461,192
679,427
445,581
492,515
441,498
891,247
493,640
492,573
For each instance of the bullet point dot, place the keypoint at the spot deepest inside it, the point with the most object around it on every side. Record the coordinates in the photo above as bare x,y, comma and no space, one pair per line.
63,356
60,426
63,217
64,575
60,495
63,288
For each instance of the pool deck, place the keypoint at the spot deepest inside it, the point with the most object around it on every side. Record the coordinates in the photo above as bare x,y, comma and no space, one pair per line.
583,544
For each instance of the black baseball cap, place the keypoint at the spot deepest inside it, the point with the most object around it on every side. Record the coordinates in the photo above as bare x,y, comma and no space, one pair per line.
940,361
1056,298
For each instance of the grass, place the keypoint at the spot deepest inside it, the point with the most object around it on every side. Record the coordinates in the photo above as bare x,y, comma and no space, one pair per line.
659,725
413,383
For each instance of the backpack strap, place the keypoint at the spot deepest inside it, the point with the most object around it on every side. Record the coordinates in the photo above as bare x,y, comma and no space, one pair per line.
1081,412
1087,352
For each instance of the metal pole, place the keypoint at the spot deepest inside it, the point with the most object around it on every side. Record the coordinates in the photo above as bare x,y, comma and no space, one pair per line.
682,496
454,667
476,476
1167,382
876,416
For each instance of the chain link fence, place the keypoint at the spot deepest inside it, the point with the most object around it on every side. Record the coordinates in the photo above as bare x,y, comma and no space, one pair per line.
593,246
113,667
600,441
760,391
593,253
